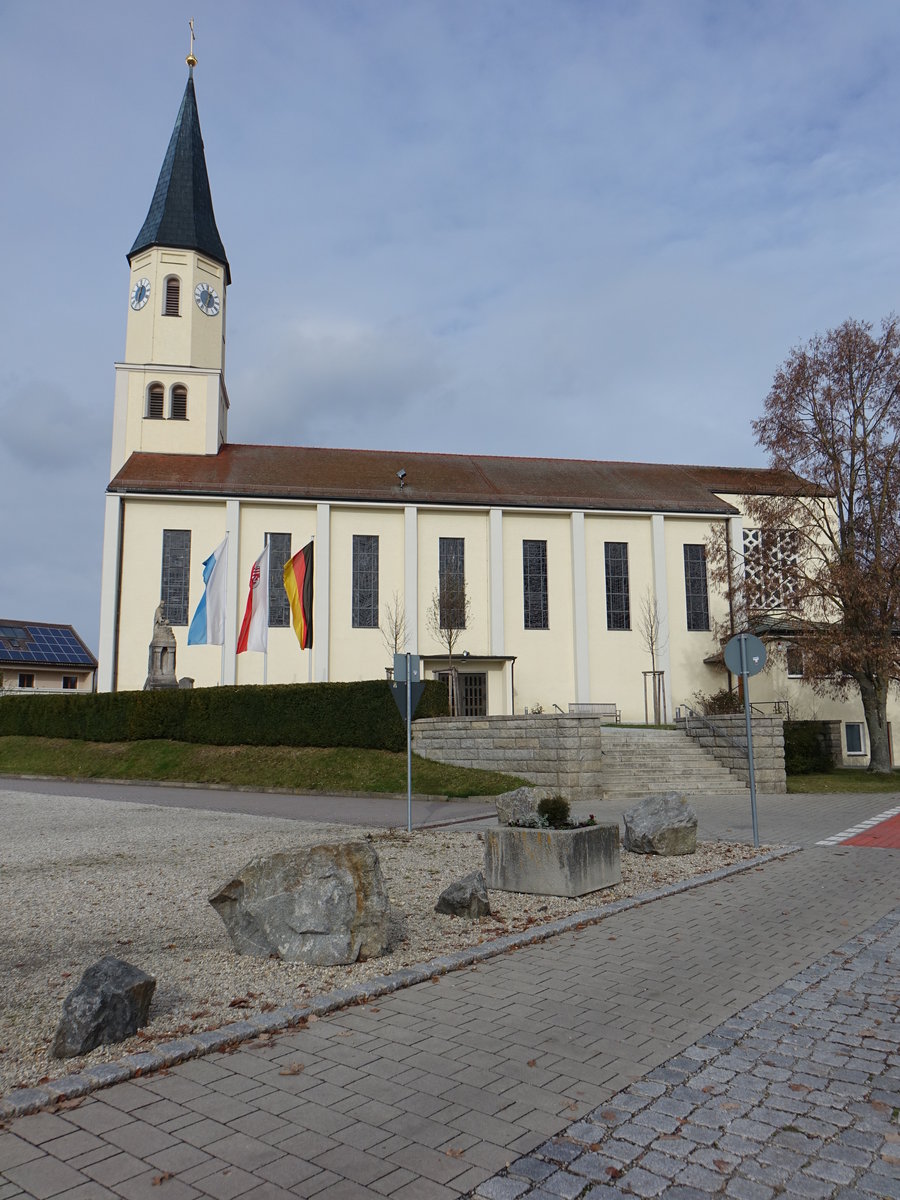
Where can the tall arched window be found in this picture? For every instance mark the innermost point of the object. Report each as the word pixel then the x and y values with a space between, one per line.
pixel 155 398
pixel 173 296
pixel 179 402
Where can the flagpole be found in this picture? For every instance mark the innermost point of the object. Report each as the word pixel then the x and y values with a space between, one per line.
pixel 222 668
pixel 265 666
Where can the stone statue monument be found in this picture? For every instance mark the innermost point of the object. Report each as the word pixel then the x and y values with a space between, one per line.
pixel 161 665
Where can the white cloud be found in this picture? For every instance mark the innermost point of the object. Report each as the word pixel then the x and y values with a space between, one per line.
pixel 333 382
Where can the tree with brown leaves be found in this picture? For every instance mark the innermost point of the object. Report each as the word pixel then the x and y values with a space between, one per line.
pixel 826 558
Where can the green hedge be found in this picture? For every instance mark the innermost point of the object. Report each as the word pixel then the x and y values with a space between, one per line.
pixel 305 714
pixel 807 750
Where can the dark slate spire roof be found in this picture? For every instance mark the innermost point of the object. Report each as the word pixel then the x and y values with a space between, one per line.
pixel 181 212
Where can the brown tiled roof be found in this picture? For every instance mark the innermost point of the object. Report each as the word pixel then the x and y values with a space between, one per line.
pixel 316 473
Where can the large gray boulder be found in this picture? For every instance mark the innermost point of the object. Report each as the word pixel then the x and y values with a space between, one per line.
pixel 110 1004
pixel 520 806
pixel 323 905
pixel 466 897
pixel 664 825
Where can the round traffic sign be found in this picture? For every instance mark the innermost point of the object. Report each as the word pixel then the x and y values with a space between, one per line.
pixel 754 654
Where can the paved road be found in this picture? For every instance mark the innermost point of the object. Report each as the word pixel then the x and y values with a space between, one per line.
pixel 430 1092
pixel 375 811
pixel 799 819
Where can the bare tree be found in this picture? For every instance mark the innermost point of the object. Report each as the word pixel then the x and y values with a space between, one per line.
pixel 448 617
pixel 649 628
pixel 823 563
pixel 393 626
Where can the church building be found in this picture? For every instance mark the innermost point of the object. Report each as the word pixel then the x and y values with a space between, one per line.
pixel 565 564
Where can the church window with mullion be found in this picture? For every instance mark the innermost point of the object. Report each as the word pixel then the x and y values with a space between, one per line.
pixel 365 581
pixel 452 583
pixel 279 553
pixel 176 575
pixel 696 590
pixel 534 584
pixel 618 599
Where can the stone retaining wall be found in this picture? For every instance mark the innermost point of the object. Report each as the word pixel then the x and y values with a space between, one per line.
pixel 559 752
pixel 725 736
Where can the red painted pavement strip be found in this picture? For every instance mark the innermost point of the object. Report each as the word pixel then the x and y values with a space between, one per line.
pixel 886 835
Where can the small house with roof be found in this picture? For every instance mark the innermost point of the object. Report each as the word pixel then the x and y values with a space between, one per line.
pixel 37 656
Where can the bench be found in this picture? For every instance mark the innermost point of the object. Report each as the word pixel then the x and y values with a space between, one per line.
pixel 606 712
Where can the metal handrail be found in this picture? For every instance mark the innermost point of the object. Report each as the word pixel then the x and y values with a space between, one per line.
pixel 778 708
pixel 719 733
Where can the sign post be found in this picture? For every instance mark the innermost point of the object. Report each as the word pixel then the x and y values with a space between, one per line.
pixel 407 687
pixel 745 655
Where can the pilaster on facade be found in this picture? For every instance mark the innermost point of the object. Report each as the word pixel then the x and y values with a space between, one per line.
pixel 232 589
pixel 496 591
pixel 736 568
pixel 661 597
pixel 411 576
pixel 580 610
pixel 322 593
pixel 109 592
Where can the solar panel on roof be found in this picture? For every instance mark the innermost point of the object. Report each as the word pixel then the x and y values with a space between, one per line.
pixel 42 644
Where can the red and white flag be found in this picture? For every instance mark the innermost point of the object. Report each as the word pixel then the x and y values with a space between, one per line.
pixel 255 625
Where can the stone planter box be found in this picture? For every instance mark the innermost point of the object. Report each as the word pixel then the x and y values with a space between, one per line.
pixel 552 862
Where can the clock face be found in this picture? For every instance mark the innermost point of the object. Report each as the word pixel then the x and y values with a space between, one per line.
pixel 140 294
pixel 207 298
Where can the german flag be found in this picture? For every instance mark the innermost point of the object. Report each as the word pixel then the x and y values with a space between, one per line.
pixel 298 583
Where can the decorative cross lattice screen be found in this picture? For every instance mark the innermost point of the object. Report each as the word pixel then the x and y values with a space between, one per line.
pixel 770 565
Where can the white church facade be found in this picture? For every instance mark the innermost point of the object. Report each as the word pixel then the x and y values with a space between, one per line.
pixel 559 559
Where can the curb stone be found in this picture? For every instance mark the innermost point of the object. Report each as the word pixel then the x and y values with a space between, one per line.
pixel 24 1101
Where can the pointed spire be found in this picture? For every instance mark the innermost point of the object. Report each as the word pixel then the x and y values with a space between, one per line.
pixel 181 212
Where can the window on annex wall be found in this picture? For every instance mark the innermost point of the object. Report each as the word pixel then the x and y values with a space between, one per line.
pixel 176 575
pixel 26 680
pixel 172 296
pixel 618 601
pixel 794 656
pixel 179 403
pixel 279 553
pixel 70 683
pixel 534 584
pixel 855 736
pixel 156 396
pixel 452 582
pixel 364 603
pixel 696 592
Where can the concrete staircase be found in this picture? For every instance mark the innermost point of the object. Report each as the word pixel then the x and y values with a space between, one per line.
pixel 640 762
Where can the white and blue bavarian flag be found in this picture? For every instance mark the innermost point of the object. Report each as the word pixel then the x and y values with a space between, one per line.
pixel 208 626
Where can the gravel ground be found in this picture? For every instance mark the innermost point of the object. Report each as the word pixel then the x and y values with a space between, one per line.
pixel 80 878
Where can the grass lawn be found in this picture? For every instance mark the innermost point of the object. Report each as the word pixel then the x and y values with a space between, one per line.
pixel 338 769
pixel 841 780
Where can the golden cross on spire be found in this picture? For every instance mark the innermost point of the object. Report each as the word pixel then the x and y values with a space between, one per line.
pixel 191 60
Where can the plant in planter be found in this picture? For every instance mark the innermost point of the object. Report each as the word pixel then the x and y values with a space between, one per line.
pixel 550 856
pixel 553 812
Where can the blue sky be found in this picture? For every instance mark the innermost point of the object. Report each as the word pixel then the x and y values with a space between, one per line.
pixel 575 228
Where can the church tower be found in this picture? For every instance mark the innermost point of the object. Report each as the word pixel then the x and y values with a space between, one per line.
pixel 170 390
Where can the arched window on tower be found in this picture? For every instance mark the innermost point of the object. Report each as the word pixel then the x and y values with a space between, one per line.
pixel 179 402
pixel 173 296
pixel 155 398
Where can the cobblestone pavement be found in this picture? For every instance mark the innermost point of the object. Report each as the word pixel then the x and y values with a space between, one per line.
pixel 428 1093
pixel 796 1096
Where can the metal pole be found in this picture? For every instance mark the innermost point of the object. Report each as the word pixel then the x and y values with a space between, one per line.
pixel 408 746
pixel 750 763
